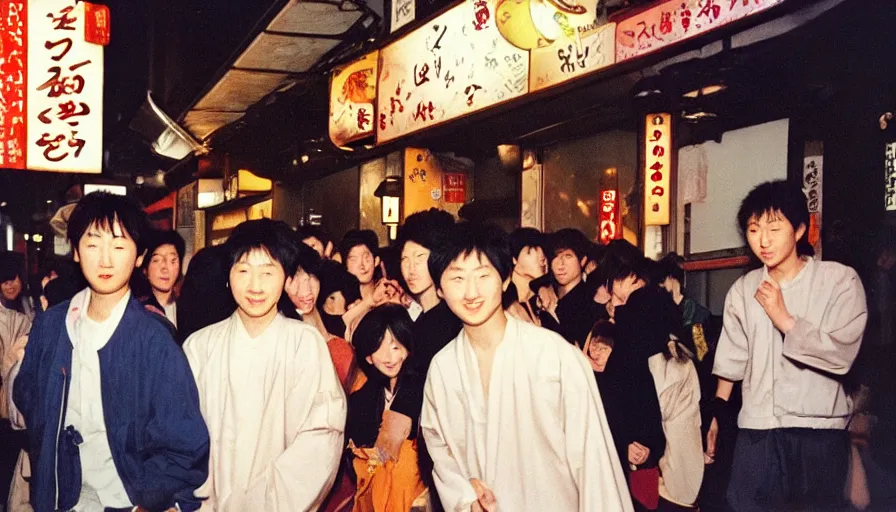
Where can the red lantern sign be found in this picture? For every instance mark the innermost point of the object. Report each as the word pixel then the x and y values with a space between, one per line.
pixel 610 221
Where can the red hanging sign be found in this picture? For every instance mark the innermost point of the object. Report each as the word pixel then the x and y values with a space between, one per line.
pixel 454 187
pixel 13 83
pixel 610 221
pixel 96 24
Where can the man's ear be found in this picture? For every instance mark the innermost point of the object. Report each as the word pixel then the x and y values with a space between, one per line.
pixel 439 292
pixel 139 262
pixel 514 261
pixel 75 255
pixel 800 231
pixel 376 261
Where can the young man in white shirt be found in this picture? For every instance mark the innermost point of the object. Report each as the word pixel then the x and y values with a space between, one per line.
pixel 111 409
pixel 791 329
pixel 270 396
pixel 511 415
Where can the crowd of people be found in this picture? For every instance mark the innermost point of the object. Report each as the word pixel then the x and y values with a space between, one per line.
pixel 461 369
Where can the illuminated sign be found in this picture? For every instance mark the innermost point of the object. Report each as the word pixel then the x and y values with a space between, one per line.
pixel 673 21
pixel 890 177
pixel 610 222
pixel 13 72
pixel 352 97
pixel 565 39
pixel 813 177
pixel 657 168
pixel 456 64
pixel 118 190
pixel 64 89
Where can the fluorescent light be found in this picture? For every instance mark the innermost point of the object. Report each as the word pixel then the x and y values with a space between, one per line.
pixel 119 190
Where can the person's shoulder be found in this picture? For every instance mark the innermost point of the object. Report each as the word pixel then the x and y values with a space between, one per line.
pixel 208 335
pixel 835 270
pixel 445 357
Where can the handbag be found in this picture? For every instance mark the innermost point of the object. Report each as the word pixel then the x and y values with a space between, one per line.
pixel 644 485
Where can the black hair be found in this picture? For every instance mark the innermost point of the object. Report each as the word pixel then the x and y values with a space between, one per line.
pixel 12 265
pixel 308 260
pixel 669 266
pixel 157 239
pixel 358 237
pixel 605 331
pixel 275 237
pixel 569 238
pixel 204 297
pixel 103 210
pixel 466 238
pixel 370 332
pixel 778 196
pixel 622 260
pixel 521 238
pixel 334 278
pixel 63 287
pixel 424 228
pixel 309 231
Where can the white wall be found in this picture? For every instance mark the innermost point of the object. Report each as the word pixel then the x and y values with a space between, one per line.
pixel 745 158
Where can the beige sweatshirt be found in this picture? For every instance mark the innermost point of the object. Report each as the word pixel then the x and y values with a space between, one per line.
pixel 792 381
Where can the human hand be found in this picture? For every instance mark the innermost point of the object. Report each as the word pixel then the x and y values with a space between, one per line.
pixel 712 437
pixel 771 299
pixel 638 453
pixel 486 498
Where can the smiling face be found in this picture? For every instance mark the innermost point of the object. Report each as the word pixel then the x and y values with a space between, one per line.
pixel 164 268
pixel 257 282
pixel 414 268
pixel 12 288
pixel 303 289
pixel 599 353
pixel 471 286
pixel 107 256
pixel 390 357
pixel 361 263
pixel 773 239
pixel 566 266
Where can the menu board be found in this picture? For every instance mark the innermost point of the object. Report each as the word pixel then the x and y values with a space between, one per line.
pixel 676 20
pixel 352 93
pixel 456 64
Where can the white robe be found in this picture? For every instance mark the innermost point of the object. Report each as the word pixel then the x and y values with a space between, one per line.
pixel 681 465
pixel 275 412
pixel 540 443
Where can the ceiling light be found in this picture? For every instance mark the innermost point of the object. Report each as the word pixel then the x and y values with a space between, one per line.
pixel 49 201
pixel 705 91
pixel 305 159
pixel 700 115
pixel 139 180
pixel 3 204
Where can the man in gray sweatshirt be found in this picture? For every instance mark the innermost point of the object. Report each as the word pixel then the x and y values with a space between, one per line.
pixel 792 329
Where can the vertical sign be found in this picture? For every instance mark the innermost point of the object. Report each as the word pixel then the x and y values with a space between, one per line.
pixel 454 187
pixel 65 90
pixel 890 169
pixel 657 168
pixel 610 225
pixel 813 173
pixel 13 80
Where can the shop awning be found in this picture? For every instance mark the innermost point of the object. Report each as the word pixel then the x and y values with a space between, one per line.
pixel 301 38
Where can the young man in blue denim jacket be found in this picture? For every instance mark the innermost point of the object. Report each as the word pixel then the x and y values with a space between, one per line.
pixel 109 402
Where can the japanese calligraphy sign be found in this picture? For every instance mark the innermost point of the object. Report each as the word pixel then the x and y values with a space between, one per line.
pixel 657 168
pixel 676 20
pixel 813 173
pixel 572 56
pixel 13 77
pixel 456 64
pixel 352 97
pixel 65 90
pixel 454 187
pixel 890 176
pixel 610 227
